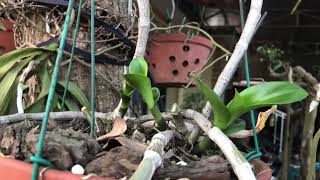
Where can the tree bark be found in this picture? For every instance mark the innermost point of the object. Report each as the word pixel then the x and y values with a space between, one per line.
pixel 106 98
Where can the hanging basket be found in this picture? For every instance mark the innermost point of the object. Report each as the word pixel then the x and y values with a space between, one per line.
pixel 171 57
pixel 6 37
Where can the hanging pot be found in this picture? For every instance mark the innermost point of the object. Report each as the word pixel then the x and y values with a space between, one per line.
pixel 6 37
pixel 171 57
pixel 12 169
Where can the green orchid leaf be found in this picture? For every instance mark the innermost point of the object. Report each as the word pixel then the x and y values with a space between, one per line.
pixel 221 113
pixel 265 94
pixel 52 47
pixel 138 66
pixel 2 27
pixel 156 94
pixel 143 85
pixel 77 93
pixel 127 90
pixel 45 79
pixel 37 106
pixel 7 61
pixel 235 127
pixel 12 96
pixel 56 104
pixel 8 81
pixel 70 104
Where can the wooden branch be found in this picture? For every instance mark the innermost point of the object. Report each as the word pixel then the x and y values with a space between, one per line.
pixel 282 75
pixel 315 102
pixel 153 156
pixel 23 76
pixel 143 27
pixel 307 77
pixel 239 164
pixel 213 167
pixel 307 135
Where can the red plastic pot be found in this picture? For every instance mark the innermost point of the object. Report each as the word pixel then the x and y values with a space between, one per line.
pixel 171 57
pixel 6 37
pixel 12 169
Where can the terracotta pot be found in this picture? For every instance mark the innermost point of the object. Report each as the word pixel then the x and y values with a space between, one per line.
pixel 6 37
pixel 171 57
pixel 12 169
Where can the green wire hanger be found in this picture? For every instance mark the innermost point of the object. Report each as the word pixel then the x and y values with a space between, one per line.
pixel 256 153
pixel 37 159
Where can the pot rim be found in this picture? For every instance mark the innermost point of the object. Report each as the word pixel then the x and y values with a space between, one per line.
pixel 12 169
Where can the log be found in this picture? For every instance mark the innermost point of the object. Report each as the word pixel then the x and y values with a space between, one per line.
pixel 213 168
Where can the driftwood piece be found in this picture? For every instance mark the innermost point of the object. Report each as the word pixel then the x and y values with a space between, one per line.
pixel 13 138
pixel 63 147
pixel 119 162
pixel 298 75
pixel 213 168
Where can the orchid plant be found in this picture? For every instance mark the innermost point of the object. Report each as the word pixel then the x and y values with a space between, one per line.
pixel 226 117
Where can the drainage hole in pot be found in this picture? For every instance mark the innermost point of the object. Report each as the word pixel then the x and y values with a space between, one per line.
pixel 186 48
pixel 185 63
pixel 153 65
pixel 2 49
pixel 197 61
pixel 175 72
pixel 172 58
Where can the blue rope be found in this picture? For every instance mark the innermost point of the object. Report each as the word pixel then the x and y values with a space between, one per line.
pixel 74 40
pixel 256 153
pixel 92 70
pixel 54 80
